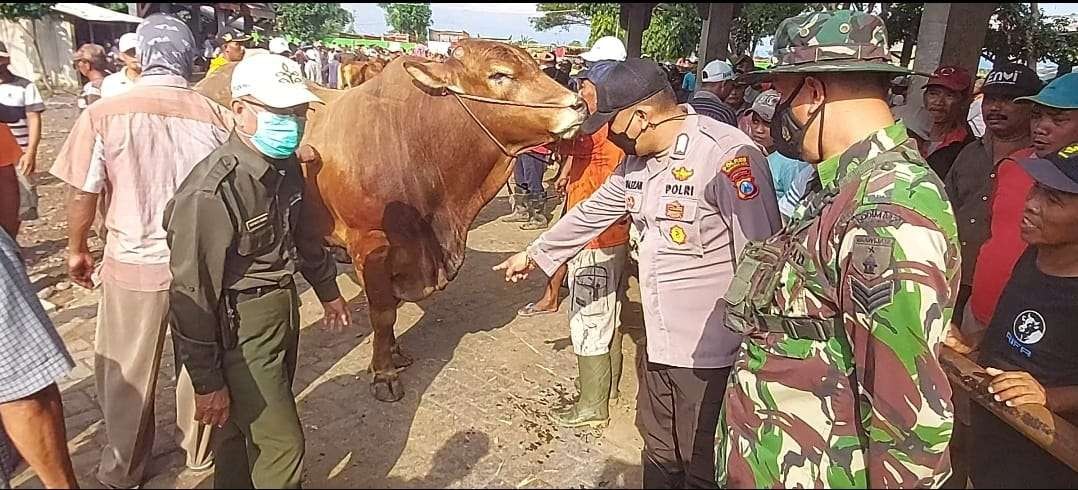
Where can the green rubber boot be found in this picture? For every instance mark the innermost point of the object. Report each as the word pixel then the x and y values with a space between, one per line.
pixel 520 212
pixel 616 358
pixel 537 219
pixel 590 409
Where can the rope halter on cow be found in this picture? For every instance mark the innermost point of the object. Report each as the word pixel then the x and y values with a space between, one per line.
pixel 538 105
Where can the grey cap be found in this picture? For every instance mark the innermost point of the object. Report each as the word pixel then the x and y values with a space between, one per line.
pixel 765 103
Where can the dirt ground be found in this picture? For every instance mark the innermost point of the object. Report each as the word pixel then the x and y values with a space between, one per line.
pixel 474 411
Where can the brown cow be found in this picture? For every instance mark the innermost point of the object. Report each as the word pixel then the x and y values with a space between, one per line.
pixel 355 73
pixel 398 168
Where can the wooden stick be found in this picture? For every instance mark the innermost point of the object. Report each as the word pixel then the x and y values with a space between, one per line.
pixel 1048 430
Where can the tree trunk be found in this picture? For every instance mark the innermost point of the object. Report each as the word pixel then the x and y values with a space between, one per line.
pixel 1033 56
pixel 755 41
pixel 907 51
pixel 32 32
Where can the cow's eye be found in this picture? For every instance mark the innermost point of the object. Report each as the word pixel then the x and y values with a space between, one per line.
pixel 500 77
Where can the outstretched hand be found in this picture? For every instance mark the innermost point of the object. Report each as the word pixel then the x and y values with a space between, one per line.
pixel 516 267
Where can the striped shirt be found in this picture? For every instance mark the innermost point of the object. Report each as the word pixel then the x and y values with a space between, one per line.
pixel 708 104
pixel 17 97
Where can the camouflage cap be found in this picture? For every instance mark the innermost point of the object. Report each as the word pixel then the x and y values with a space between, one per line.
pixel 831 41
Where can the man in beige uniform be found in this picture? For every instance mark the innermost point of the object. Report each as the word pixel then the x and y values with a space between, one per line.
pixel 698 190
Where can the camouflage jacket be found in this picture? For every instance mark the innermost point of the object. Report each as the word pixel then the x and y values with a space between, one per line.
pixel 869 406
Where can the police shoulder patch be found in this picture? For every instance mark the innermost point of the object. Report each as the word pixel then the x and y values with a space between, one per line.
pixel 739 172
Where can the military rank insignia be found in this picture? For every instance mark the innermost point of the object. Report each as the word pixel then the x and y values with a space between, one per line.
pixel 870 258
pixel 738 171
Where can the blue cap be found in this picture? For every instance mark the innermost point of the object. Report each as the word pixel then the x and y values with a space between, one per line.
pixel 1062 93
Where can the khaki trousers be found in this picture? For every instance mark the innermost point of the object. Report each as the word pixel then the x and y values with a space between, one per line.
pixel 131 328
pixel 262 444
pixel 596 287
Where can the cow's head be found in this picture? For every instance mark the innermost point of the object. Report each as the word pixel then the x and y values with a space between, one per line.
pixel 499 71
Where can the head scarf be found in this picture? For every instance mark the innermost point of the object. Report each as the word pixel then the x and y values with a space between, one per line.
pixel 165 46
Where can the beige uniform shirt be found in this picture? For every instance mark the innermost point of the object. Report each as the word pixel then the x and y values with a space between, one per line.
pixel 696 205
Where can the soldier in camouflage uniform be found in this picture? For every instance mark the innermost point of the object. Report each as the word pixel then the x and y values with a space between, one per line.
pixel 844 311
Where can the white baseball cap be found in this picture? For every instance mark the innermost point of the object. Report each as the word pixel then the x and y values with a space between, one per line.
pixel 271 79
pixel 128 42
pixel 717 71
pixel 278 45
pixel 606 48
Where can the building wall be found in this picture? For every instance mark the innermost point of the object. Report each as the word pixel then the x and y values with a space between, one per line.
pixel 55 37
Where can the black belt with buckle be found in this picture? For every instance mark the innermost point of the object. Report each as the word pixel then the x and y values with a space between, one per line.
pixel 260 291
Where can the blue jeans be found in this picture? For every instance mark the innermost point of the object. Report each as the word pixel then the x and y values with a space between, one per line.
pixel 528 174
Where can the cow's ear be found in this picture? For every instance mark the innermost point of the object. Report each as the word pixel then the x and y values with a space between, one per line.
pixel 435 76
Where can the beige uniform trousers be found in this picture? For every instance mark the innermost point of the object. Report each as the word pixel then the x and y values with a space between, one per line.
pixel 131 328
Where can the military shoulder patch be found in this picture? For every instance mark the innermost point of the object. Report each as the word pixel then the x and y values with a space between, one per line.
pixel 870 258
pixel 739 172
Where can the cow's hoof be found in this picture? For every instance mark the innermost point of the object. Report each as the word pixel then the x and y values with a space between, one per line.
pixel 401 361
pixel 387 388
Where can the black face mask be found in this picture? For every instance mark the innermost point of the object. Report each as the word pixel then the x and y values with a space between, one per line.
pixel 627 144
pixel 789 135
pixel 622 140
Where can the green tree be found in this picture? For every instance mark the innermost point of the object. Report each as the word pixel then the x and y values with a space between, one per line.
pixel 758 20
pixel 308 22
pixel 674 31
pixel 575 44
pixel 31 12
pixel 116 7
pixel 408 18
pixel 1015 34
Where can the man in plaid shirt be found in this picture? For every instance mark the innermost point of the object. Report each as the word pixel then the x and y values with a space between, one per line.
pixel 32 358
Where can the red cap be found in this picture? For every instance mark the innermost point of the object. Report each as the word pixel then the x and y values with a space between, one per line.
pixel 951 77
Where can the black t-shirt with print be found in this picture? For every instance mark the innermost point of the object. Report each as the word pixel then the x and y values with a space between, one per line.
pixel 1034 329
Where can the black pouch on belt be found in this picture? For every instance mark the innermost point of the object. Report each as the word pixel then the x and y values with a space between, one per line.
pixel 230 321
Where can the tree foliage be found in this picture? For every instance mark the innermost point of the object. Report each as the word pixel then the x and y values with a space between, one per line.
pixel 311 21
pixel 673 32
pixel 14 11
pixel 115 7
pixel 1016 34
pixel 759 20
pixel 408 18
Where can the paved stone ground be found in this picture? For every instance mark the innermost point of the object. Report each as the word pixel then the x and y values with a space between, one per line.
pixel 474 411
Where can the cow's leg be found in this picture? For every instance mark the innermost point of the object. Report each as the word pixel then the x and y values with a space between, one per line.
pixel 378 286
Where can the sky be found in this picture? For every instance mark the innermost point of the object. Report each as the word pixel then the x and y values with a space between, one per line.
pixel 479 19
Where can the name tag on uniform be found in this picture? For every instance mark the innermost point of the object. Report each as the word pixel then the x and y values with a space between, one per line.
pixel 257 222
pixel 685 190
pixel 634 185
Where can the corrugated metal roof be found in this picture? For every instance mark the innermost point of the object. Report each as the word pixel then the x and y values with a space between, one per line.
pixel 93 13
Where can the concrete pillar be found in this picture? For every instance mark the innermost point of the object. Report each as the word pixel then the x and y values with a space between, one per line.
pixel 635 18
pixel 715 34
pixel 950 34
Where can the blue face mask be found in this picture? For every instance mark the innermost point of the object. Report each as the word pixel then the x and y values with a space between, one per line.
pixel 277 135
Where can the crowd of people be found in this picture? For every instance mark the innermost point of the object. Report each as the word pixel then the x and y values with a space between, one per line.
pixel 806 241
